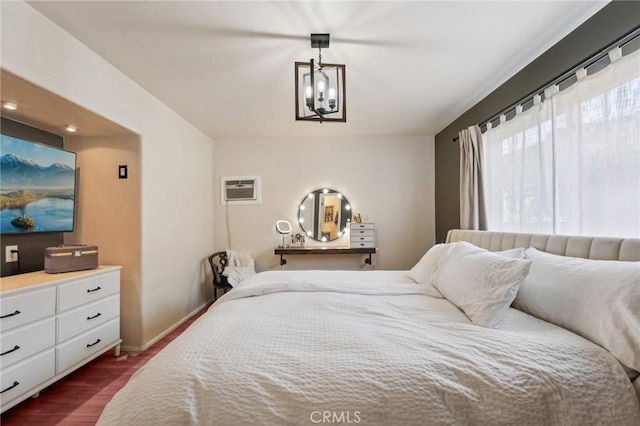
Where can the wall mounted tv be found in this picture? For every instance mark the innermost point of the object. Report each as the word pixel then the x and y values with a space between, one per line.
pixel 37 187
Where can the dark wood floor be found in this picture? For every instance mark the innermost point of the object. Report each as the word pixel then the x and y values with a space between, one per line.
pixel 79 398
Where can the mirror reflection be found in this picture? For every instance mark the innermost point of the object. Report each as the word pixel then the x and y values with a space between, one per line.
pixel 323 214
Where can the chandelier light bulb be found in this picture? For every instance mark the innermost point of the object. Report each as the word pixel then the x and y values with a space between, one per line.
pixel 321 90
pixel 308 94
pixel 332 98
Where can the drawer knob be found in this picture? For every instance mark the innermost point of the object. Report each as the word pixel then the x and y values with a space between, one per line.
pixel 11 314
pixel 10 387
pixel 94 343
pixel 95 316
pixel 15 348
pixel 91 290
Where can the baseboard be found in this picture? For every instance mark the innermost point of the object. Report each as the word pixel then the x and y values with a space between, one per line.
pixel 165 333
pixel 130 349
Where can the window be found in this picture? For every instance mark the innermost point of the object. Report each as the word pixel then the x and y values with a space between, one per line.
pixel 570 164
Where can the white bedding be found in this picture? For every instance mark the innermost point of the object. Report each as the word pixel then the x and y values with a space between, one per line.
pixel 287 348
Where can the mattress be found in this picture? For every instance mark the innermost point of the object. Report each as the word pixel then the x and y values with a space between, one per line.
pixel 373 348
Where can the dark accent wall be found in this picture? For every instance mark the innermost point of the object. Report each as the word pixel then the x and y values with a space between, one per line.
pixel 30 247
pixel 610 23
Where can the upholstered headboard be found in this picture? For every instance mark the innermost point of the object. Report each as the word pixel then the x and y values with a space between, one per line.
pixel 601 248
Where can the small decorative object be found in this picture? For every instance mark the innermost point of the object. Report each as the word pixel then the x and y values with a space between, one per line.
pixel 299 238
pixel 357 218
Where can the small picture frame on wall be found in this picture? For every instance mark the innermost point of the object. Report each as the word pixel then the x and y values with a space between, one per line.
pixel 328 214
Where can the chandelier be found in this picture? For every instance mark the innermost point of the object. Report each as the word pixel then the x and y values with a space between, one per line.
pixel 320 88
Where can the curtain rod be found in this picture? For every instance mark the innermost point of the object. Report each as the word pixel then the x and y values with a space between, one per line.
pixel 621 41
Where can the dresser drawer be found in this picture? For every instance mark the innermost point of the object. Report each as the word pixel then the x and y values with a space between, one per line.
pixel 87 344
pixel 87 290
pixel 81 319
pixel 359 226
pixel 27 307
pixel 26 375
pixel 20 343
pixel 359 239
pixel 362 233
pixel 356 244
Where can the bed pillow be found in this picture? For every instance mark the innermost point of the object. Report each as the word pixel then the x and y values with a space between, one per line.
pixel 597 299
pixel 516 253
pixel 481 283
pixel 422 271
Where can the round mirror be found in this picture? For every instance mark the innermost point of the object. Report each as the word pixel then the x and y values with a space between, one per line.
pixel 323 214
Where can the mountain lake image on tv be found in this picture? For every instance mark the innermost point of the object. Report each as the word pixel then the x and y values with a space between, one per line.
pixel 37 187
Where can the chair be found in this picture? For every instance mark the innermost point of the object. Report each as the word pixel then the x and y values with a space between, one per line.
pixel 218 262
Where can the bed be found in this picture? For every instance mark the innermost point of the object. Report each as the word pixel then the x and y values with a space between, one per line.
pixel 382 348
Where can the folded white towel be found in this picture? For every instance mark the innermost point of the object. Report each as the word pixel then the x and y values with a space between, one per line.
pixel 240 267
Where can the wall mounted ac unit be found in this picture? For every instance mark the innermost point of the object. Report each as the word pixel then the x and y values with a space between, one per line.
pixel 240 190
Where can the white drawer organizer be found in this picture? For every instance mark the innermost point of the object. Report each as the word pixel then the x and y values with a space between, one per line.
pixel 362 235
pixel 52 324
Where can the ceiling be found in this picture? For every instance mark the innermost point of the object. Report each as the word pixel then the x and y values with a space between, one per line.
pixel 227 66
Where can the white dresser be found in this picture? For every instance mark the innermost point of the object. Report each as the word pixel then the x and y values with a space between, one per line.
pixel 362 235
pixel 52 324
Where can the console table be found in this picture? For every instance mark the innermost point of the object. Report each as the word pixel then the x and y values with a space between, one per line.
pixel 324 250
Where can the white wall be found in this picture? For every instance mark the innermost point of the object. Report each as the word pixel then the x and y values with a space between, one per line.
pixel 389 179
pixel 175 168
pixel 109 213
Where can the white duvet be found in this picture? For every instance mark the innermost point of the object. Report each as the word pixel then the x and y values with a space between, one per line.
pixel 370 348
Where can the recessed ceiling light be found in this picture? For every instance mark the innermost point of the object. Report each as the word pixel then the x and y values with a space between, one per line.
pixel 10 105
pixel 71 128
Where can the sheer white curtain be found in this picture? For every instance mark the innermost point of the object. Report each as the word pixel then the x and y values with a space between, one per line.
pixel 570 164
